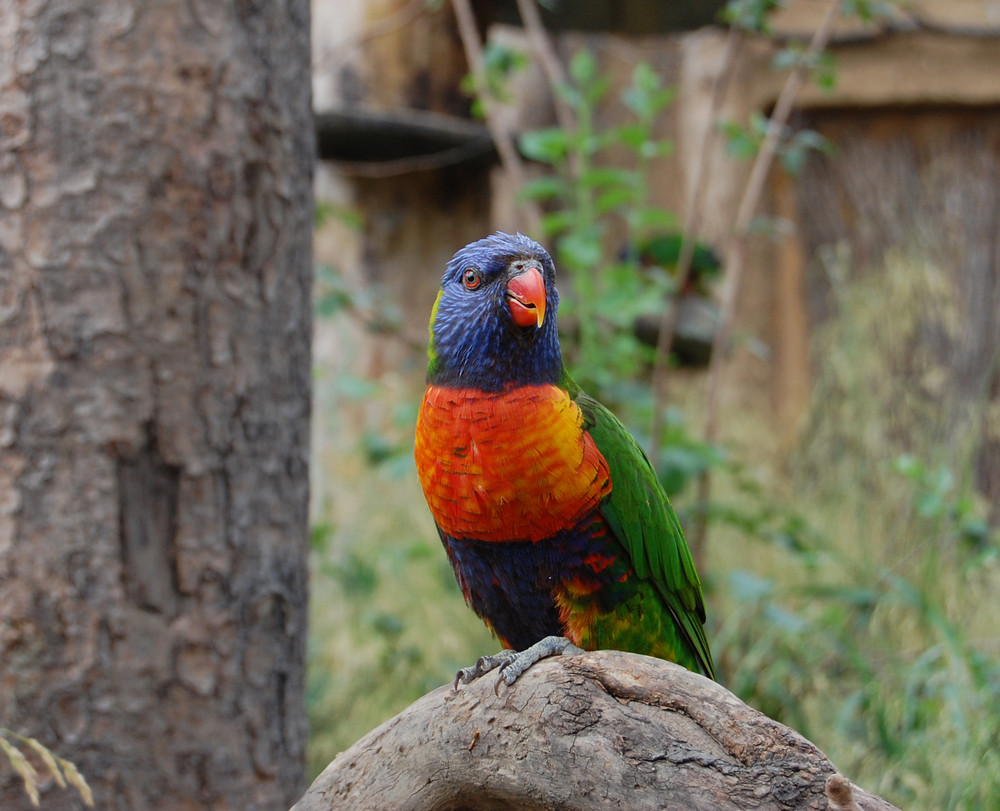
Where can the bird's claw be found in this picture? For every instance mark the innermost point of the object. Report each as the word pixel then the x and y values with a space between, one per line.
pixel 483 665
pixel 510 664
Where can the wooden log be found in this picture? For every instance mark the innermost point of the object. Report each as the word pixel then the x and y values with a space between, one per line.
pixel 600 730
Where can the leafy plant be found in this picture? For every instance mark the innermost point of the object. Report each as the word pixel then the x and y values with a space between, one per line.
pixel 750 15
pixel 599 214
pixel 500 62
pixel 958 519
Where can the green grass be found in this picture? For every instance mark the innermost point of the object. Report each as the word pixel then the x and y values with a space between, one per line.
pixel 876 637
pixel 851 584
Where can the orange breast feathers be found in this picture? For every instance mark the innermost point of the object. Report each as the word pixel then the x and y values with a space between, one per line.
pixel 513 465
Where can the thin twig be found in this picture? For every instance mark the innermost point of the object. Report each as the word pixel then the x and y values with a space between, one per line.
pixel 541 46
pixel 736 253
pixel 692 224
pixel 510 159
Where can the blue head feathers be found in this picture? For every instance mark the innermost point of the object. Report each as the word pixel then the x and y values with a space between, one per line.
pixel 476 339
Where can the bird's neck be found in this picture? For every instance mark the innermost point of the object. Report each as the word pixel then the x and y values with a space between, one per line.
pixel 491 366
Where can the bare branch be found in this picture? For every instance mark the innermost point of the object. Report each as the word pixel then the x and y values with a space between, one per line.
pixel 546 55
pixel 510 159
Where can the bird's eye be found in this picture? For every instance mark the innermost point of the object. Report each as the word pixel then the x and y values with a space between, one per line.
pixel 471 278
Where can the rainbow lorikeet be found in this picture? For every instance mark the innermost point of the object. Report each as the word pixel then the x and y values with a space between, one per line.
pixel 559 532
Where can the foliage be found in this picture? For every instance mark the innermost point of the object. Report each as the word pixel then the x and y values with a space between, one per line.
pixel 743 142
pixel 869 11
pixel 599 214
pixel 750 15
pixel 873 632
pixel 796 56
pixel 500 62
pixel 17 748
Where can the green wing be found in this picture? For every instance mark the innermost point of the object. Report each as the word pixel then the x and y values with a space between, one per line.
pixel 643 520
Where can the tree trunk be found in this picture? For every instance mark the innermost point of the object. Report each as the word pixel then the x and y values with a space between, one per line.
pixel 597 731
pixel 155 226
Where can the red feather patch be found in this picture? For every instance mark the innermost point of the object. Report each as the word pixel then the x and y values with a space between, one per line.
pixel 513 465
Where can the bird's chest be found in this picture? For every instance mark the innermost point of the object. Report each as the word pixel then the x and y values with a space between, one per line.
pixel 512 465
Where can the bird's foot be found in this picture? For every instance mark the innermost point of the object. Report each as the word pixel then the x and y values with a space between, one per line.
pixel 484 665
pixel 512 663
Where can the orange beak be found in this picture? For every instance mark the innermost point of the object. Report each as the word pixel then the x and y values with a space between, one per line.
pixel 526 298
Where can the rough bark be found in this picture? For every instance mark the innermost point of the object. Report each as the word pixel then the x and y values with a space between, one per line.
pixel 601 730
pixel 155 226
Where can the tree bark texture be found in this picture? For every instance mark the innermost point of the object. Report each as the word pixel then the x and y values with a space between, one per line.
pixel 602 730
pixel 155 265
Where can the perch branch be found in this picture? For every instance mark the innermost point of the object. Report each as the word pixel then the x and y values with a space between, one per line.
pixel 600 730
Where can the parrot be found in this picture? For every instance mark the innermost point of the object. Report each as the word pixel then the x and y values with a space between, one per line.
pixel 558 530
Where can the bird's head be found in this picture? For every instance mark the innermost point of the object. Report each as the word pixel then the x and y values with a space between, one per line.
pixel 494 321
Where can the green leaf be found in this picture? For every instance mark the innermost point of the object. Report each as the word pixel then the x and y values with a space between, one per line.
pixel 654 217
pixel 646 96
pixel 632 135
pixel 502 60
pixel 583 67
pixel 327 211
pixel 591 144
pixel 549 145
pixel 320 535
pixel 796 151
pixel 596 90
pixel 788 57
pixel 679 466
pixel 613 200
pixel 867 10
pixel 909 466
pixel 810 139
pixel 740 143
pixel 544 188
pixel 608 176
pixel 657 149
pixel 581 249
pixel 569 94
pixel 555 222
pixel 975 531
pixel 750 15
pixel 825 72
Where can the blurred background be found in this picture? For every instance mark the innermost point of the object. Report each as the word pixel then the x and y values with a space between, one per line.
pixel 795 309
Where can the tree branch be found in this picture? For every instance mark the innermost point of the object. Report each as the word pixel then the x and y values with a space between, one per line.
pixel 547 58
pixel 602 730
